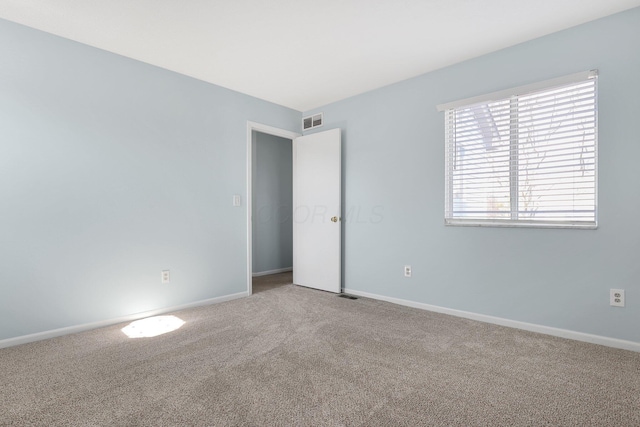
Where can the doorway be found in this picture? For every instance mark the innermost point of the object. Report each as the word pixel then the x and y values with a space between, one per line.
pixel 269 208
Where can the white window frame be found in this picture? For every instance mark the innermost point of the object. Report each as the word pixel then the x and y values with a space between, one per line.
pixel 505 95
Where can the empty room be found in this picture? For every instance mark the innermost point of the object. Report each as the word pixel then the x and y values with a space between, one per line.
pixel 345 213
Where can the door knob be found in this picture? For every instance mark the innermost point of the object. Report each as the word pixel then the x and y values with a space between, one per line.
pixel 334 219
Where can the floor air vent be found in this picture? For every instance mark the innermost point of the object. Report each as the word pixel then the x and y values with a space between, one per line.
pixel 347 296
pixel 312 121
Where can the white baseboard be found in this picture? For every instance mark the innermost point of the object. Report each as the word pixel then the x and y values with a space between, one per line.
pixel 10 342
pixel 563 333
pixel 266 273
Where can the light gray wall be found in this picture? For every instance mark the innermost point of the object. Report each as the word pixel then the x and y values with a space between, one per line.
pixel 272 236
pixel 393 141
pixel 112 170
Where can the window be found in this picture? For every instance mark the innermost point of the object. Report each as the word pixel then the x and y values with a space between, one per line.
pixel 525 156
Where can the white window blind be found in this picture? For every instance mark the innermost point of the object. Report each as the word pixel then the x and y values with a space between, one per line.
pixel 527 158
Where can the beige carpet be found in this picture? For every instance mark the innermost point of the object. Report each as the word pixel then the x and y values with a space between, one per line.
pixel 271 281
pixel 298 357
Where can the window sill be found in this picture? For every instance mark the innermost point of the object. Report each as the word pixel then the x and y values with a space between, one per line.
pixel 457 222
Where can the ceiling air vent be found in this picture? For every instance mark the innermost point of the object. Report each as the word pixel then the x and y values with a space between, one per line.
pixel 312 121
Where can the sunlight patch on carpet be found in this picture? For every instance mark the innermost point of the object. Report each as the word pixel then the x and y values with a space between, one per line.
pixel 152 326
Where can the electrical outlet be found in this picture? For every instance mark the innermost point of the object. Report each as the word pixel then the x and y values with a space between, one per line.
pixel 166 277
pixel 616 297
pixel 407 271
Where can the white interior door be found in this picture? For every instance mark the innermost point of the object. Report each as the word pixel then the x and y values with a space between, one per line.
pixel 317 230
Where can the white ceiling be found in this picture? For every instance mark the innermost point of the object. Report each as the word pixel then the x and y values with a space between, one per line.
pixel 301 53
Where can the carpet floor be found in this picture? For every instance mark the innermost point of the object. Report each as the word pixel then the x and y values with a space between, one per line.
pixel 271 281
pixel 293 356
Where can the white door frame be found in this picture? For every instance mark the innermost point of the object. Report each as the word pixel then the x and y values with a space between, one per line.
pixel 258 127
